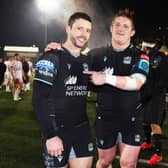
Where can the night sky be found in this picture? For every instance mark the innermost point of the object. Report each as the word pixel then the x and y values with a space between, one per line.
pixel 23 24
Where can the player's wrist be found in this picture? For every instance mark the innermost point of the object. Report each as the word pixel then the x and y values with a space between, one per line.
pixel 110 79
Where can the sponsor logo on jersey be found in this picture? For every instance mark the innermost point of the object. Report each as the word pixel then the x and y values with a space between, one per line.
pixel 72 89
pixel 90 147
pixel 144 65
pixel 109 70
pixel 45 65
pixel 85 66
pixel 71 80
pixel 127 60
pixel 45 71
pixel 137 138
pixel 144 56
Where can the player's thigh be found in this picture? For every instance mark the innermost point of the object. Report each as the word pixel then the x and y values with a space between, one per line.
pixel 82 162
pixel 129 150
pixel 107 154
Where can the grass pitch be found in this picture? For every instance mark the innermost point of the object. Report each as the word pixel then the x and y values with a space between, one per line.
pixel 20 139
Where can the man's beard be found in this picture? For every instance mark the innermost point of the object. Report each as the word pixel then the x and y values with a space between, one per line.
pixel 73 40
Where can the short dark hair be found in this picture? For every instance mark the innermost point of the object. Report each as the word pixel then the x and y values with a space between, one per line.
pixel 125 13
pixel 78 15
pixel 16 54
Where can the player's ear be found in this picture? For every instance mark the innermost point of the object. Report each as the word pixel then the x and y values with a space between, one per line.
pixel 67 28
pixel 133 32
pixel 111 28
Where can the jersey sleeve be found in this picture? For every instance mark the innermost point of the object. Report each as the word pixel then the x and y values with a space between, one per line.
pixel 141 66
pixel 46 68
pixel 43 109
pixel 42 98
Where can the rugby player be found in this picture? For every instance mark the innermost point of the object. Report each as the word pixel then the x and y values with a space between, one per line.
pixel 59 99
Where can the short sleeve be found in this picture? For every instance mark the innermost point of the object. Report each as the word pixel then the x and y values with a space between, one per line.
pixel 142 66
pixel 46 69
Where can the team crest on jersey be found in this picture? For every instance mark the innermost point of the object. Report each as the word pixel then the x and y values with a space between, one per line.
pixel 59 157
pixel 101 141
pixel 137 138
pixel 85 66
pixel 105 58
pixel 71 80
pixel 109 70
pixel 127 60
pixel 155 63
pixel 90 147
pixel 69 66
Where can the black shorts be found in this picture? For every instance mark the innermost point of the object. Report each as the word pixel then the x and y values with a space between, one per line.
pixel 154 110
pixel 77 143
pixel 110 132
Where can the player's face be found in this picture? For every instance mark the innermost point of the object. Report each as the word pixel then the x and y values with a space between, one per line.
pixel 79 33
pixel 122 30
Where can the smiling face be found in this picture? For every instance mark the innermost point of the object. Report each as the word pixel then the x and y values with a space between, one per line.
pixel 79 33
pixel 122 30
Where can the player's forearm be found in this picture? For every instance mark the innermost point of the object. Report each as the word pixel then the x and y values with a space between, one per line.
pixel 129 83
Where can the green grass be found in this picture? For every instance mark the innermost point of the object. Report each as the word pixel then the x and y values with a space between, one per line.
pixel 20 144
pixel 20 140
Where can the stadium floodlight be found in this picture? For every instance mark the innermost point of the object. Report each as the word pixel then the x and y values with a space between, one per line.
pixel 50 6
pixel 54 9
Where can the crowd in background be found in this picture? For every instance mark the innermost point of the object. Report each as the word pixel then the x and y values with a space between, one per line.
pixel 15 74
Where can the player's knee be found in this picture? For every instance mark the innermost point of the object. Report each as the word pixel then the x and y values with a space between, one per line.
pixel 105 163
pixel 125 163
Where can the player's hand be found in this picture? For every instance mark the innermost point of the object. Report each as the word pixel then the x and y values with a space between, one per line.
pixel 54 146
pixel 97 78
pixel 52 46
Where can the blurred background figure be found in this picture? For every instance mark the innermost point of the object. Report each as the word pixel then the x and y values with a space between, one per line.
pixel 30 72
pixel 2 69
pixel 26 79
pixel 153 100
pixel 17 73
pixel 8 74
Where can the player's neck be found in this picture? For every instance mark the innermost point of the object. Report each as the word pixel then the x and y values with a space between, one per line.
pixel 120 46
pixel 75 51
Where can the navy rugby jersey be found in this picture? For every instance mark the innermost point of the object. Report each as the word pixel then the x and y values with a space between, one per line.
pixel 158 73
pixel 60 89
pixel 157 81
pixel 122 63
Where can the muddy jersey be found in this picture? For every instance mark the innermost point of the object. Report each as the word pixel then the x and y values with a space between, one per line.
pixel 62 101
pixel 111 101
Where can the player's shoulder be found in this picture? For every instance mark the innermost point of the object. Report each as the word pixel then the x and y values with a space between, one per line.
pixel 52 53
pixel 99 50
pixel 51 56
pixel 134 48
